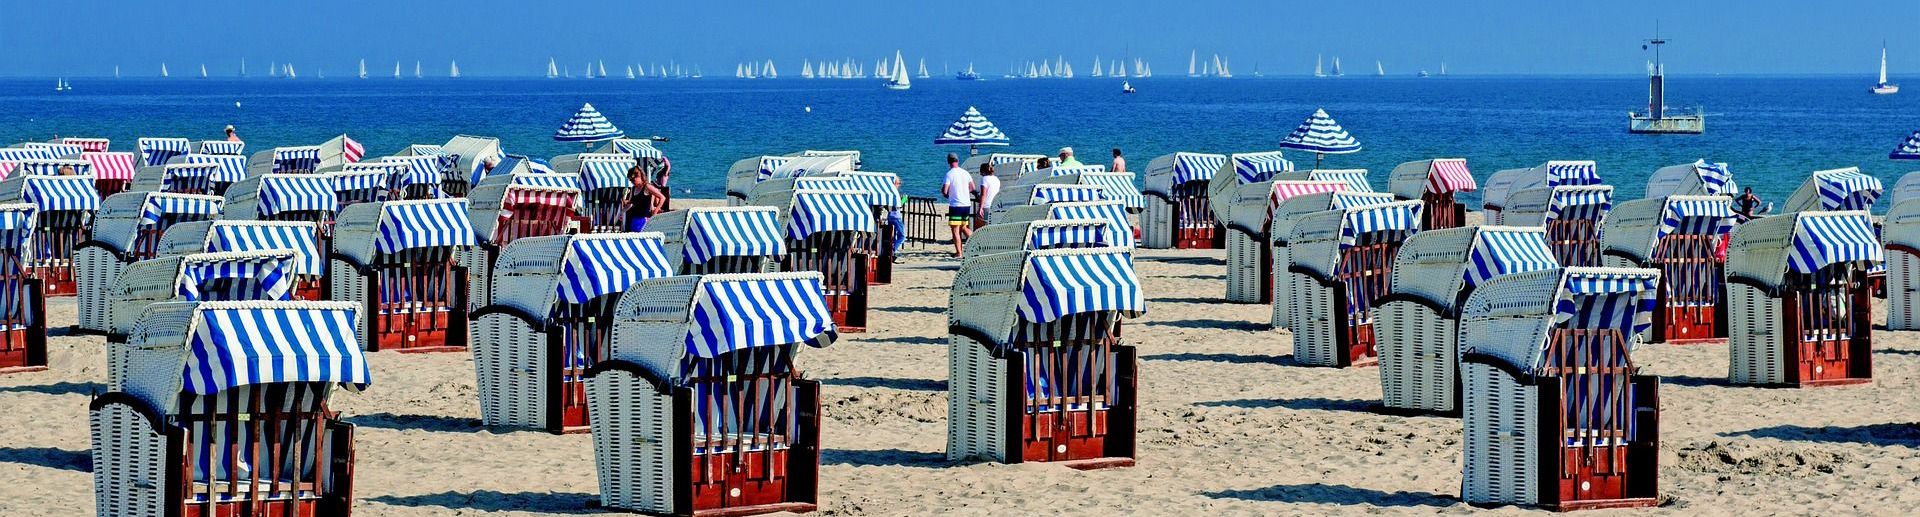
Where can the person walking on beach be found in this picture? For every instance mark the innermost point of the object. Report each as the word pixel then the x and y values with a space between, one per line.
pixel 958 189
pixel 1066 158
pixel 660 181
pixel 1119 163
pixel 989 189
pixel 643 201
pixel 898 223
pixel 231 136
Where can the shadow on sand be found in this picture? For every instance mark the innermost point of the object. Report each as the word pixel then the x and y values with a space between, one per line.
pixel 491 501
pixel 1883 435
pixel 1322 493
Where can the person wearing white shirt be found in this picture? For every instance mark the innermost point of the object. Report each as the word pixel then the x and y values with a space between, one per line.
pixel 958 188
pixel 989 189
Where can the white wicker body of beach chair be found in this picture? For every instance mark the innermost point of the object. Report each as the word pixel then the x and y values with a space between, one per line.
pixel 354 187
pixel 1342 262
pixel 1798 299
pixel 745 173
pixel 308 268
pixel 722 240
pixel 552 319
pixel 1282 220
pixel 128 229
pixel 1234 174
pixel 64 208
pixel 852 156
pixel 23 302
pixel 1571 215
pixel 224 276
pixel 604 187
pixel 1418 321
pixel 176 176
pixel 1680 236
pixel 303 159
pixel 1555 413
pixel 1437 183
pixel 1700 178
pixel 180 433
pixel 1249 249
pixel 400 260
pixel 824 229
pixel 220 147
pixel 1044 234
pixel 699 411
pixel 412 177
pixel 504 213
pixel 1901 232
pixel 1036 366
pixel 469 155
pixel 1177 212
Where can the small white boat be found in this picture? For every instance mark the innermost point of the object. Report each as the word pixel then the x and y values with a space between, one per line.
pixel 900 81
pixel 1884 87
pixel 1126 87
pixel 60 85
pixel 363 68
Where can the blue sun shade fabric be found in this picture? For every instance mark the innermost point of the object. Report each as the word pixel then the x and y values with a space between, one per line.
pixel 768 164
pixel 160 205
pixel 1258 167
pixel 1697 217
pixel 638 148
pixel 51 167
pixel 1043 235
pixel 1118 226
pixel 1825 239
pixel 1497 253
pixel 16 226
pixel 1594 300
pixel 600 174
pixel 733 315
pixel 879 186
pixel 1572 174
pixel 426 150
pixel 156 151
pixel 222 147
pixel 254 237
pixel 1583 204
pixel 358 180
pixel 595 267
pixel 1847 189
pixel 270 275
pixel 1356 180
pixel 57 150
pixel 1059 285
pixel 1320 134
pixel 1043 194
pixel 245 343
pixel 296 159
pixel 1716 178
pixel 714 234
pixel 971 129
pixel 1119 187
pixel 1188 167
pixel 829 211
pixel 296 193
pixel 1344 199
pixel 406 225
pixel 56 193
pixel 228 168
pixel 1389 217
pixel 414 170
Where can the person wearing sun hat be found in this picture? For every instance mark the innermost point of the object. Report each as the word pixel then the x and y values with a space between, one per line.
pixel 1066 158
pixel 231 137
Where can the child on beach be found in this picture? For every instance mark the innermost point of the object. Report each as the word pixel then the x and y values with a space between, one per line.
pixel 958 189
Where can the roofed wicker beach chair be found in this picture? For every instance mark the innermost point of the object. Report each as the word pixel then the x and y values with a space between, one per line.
pixel 1224 185
pixel 225 147
pixel 205 422
pixel 747 172
pixel 1343 261
pixel 1700 178
pixel 824 230
pixel 63 208
pixel 304 159
pixel 1283 218
pixel 1437 183
pixel 1048 192
pixel 1039 234
pixel 721 240
pixel 1356 179
pixel 1680 236
pixel 1556 414
pixel 399 260
pixel 851 155
pixel 552 319
pixel 700 408
pixel 1799 301
pixel 361 185
pixel 604 187
pixel 1119 225
pixel 307 270
pixel 156 151
pixel 23 299
pixel 176 177
pixel 227 276
pixel 1248 216
pixel 112 171
pixel 413 177
pixel 1008 166
pixel 1840 190
pixel 1901 234
pixel 228 168
pixel 91 145
pixel 1555 173
pixel 1571 215
pixel 502 214
pixel 128 229
pixel 1176 213
pixel 1036 366
pixel 1418 322
pixel 307 198
pixel 883 195
pixel 470 155
pixel 50 166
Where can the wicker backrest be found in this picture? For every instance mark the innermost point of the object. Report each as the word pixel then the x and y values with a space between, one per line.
pixel 184 238
pixel 1690 179
pixel 243 200
pixel 1056 189
pixel 319 334
pixel 1319 238
pixel 1763 249
pixel 852 156
pixel 1170 170
pixel 800 164
pixel 473 153
pixel 1432 264
pixel 118 221
pixel 653 321
pixel 1240 170
pixel 1908 187
pixel 1020 214
pixel 1902 225
pixel 1286 215
pixel 1535 206
pixel 1835 189
pixel 746 172
pixel 1414 179
pixel 1509 317
pixel 13 189
pixel 1493 194
pixel 1019 236
pixel 487 204
pixel 531 271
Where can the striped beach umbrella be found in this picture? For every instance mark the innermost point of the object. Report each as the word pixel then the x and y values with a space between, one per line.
pixel 587 125
pixel 1320 135
pixel 972 130
pixel 1908 150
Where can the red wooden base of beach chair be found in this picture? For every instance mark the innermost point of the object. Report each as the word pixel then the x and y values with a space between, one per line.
pixel 1575 477
pixel 309 291
pixel 733 483
pixel 23 346
pixel 1084 438
pixel 57 279
pixel 1442 211
pixel 849 310
pixel 1828 357
pixel 1694 325
pixel 1878 283
pixel 422 329
pixel 1202 238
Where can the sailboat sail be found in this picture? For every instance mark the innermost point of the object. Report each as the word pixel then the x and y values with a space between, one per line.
pixel 553 69
pixel 1317 72
pixel 453 69
pixel 1379 70
pixel 163 69
pixel 603 69
pixel 1191 59
pixel 923 68
pixel 416 70
pixel 396 69
pixel 203 72
pixel 899 81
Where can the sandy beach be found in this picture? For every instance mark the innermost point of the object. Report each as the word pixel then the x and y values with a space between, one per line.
pixel 1229 425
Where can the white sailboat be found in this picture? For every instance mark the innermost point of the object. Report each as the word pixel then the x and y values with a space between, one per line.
pixel 288 72
pixel 273 69
pixel 900 81
pixel 203 70
pixel 1066 70
pixel 1097 71
pixel 1317 71
pixel 968 74
pixel 771 72
pixel 1443 68
pixel 396 69
pixel 60 85
pixel 1884 87
pixel 1336 67
pixel 629 71
pixel 1379 71
pixel 416 70
pixel 553 68
pixel 453 69
pixel 363 68
pixel 603 69
pixel 163 69
pixel 1193 58
pixel 243 70
pixel 1120 69
pixel 923 69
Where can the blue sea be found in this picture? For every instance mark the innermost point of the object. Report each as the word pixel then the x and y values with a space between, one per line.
pixel 1771 130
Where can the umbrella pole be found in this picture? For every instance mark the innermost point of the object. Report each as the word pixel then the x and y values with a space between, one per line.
pixel 1317 157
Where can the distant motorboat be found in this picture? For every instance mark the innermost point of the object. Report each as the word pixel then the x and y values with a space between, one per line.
pixel 968 74
pixel 1884 87
pixel 1126 87
pixel 1423 73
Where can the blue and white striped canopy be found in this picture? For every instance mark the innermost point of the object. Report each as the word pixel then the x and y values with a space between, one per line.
pixel 1119 187
pixel 228 168
pixel 639 148
pixel 156 151
pixel 597 266
pixel 1258 167
pixel 414 170
pixel 732 315
pixel 222 147
pixel 304 158
pixel 1043 194
pixel 1716 178
pixel 1710 216
pixel 1596 300
pixel 1497 253
pixel 1847 189
pixel 57 150
pixel 161 204
pixel 177 177
pixel 57 193
pixel 406 225
pixel 571 181
pixel 1820 240
pixel 768 164
pixel 296 193
pixel 1094 233
pixel 1320 134
pixel 16 226
pixel 587 125
pixel 972 129
pixel 260 237
pixel 51 167
pixel 1119 227
pixel 602 174
pixel 358 180
pixel 1587 204
pixel 879 186
pixel 1387 217
pixel 1908 150
pixel 1356 180
pixel 426 150
pixel 816 211
pixel 1054 286
pixel 1344 199
pixel 1189 167
pixel 19 154
pixel 1572 173
pixel 271 275
pixel 244 343
pixel 733 233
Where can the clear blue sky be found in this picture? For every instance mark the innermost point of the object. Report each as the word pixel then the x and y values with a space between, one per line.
pixel 515 37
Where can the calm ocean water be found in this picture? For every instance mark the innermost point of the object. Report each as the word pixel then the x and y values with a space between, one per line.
pixel 1773 131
